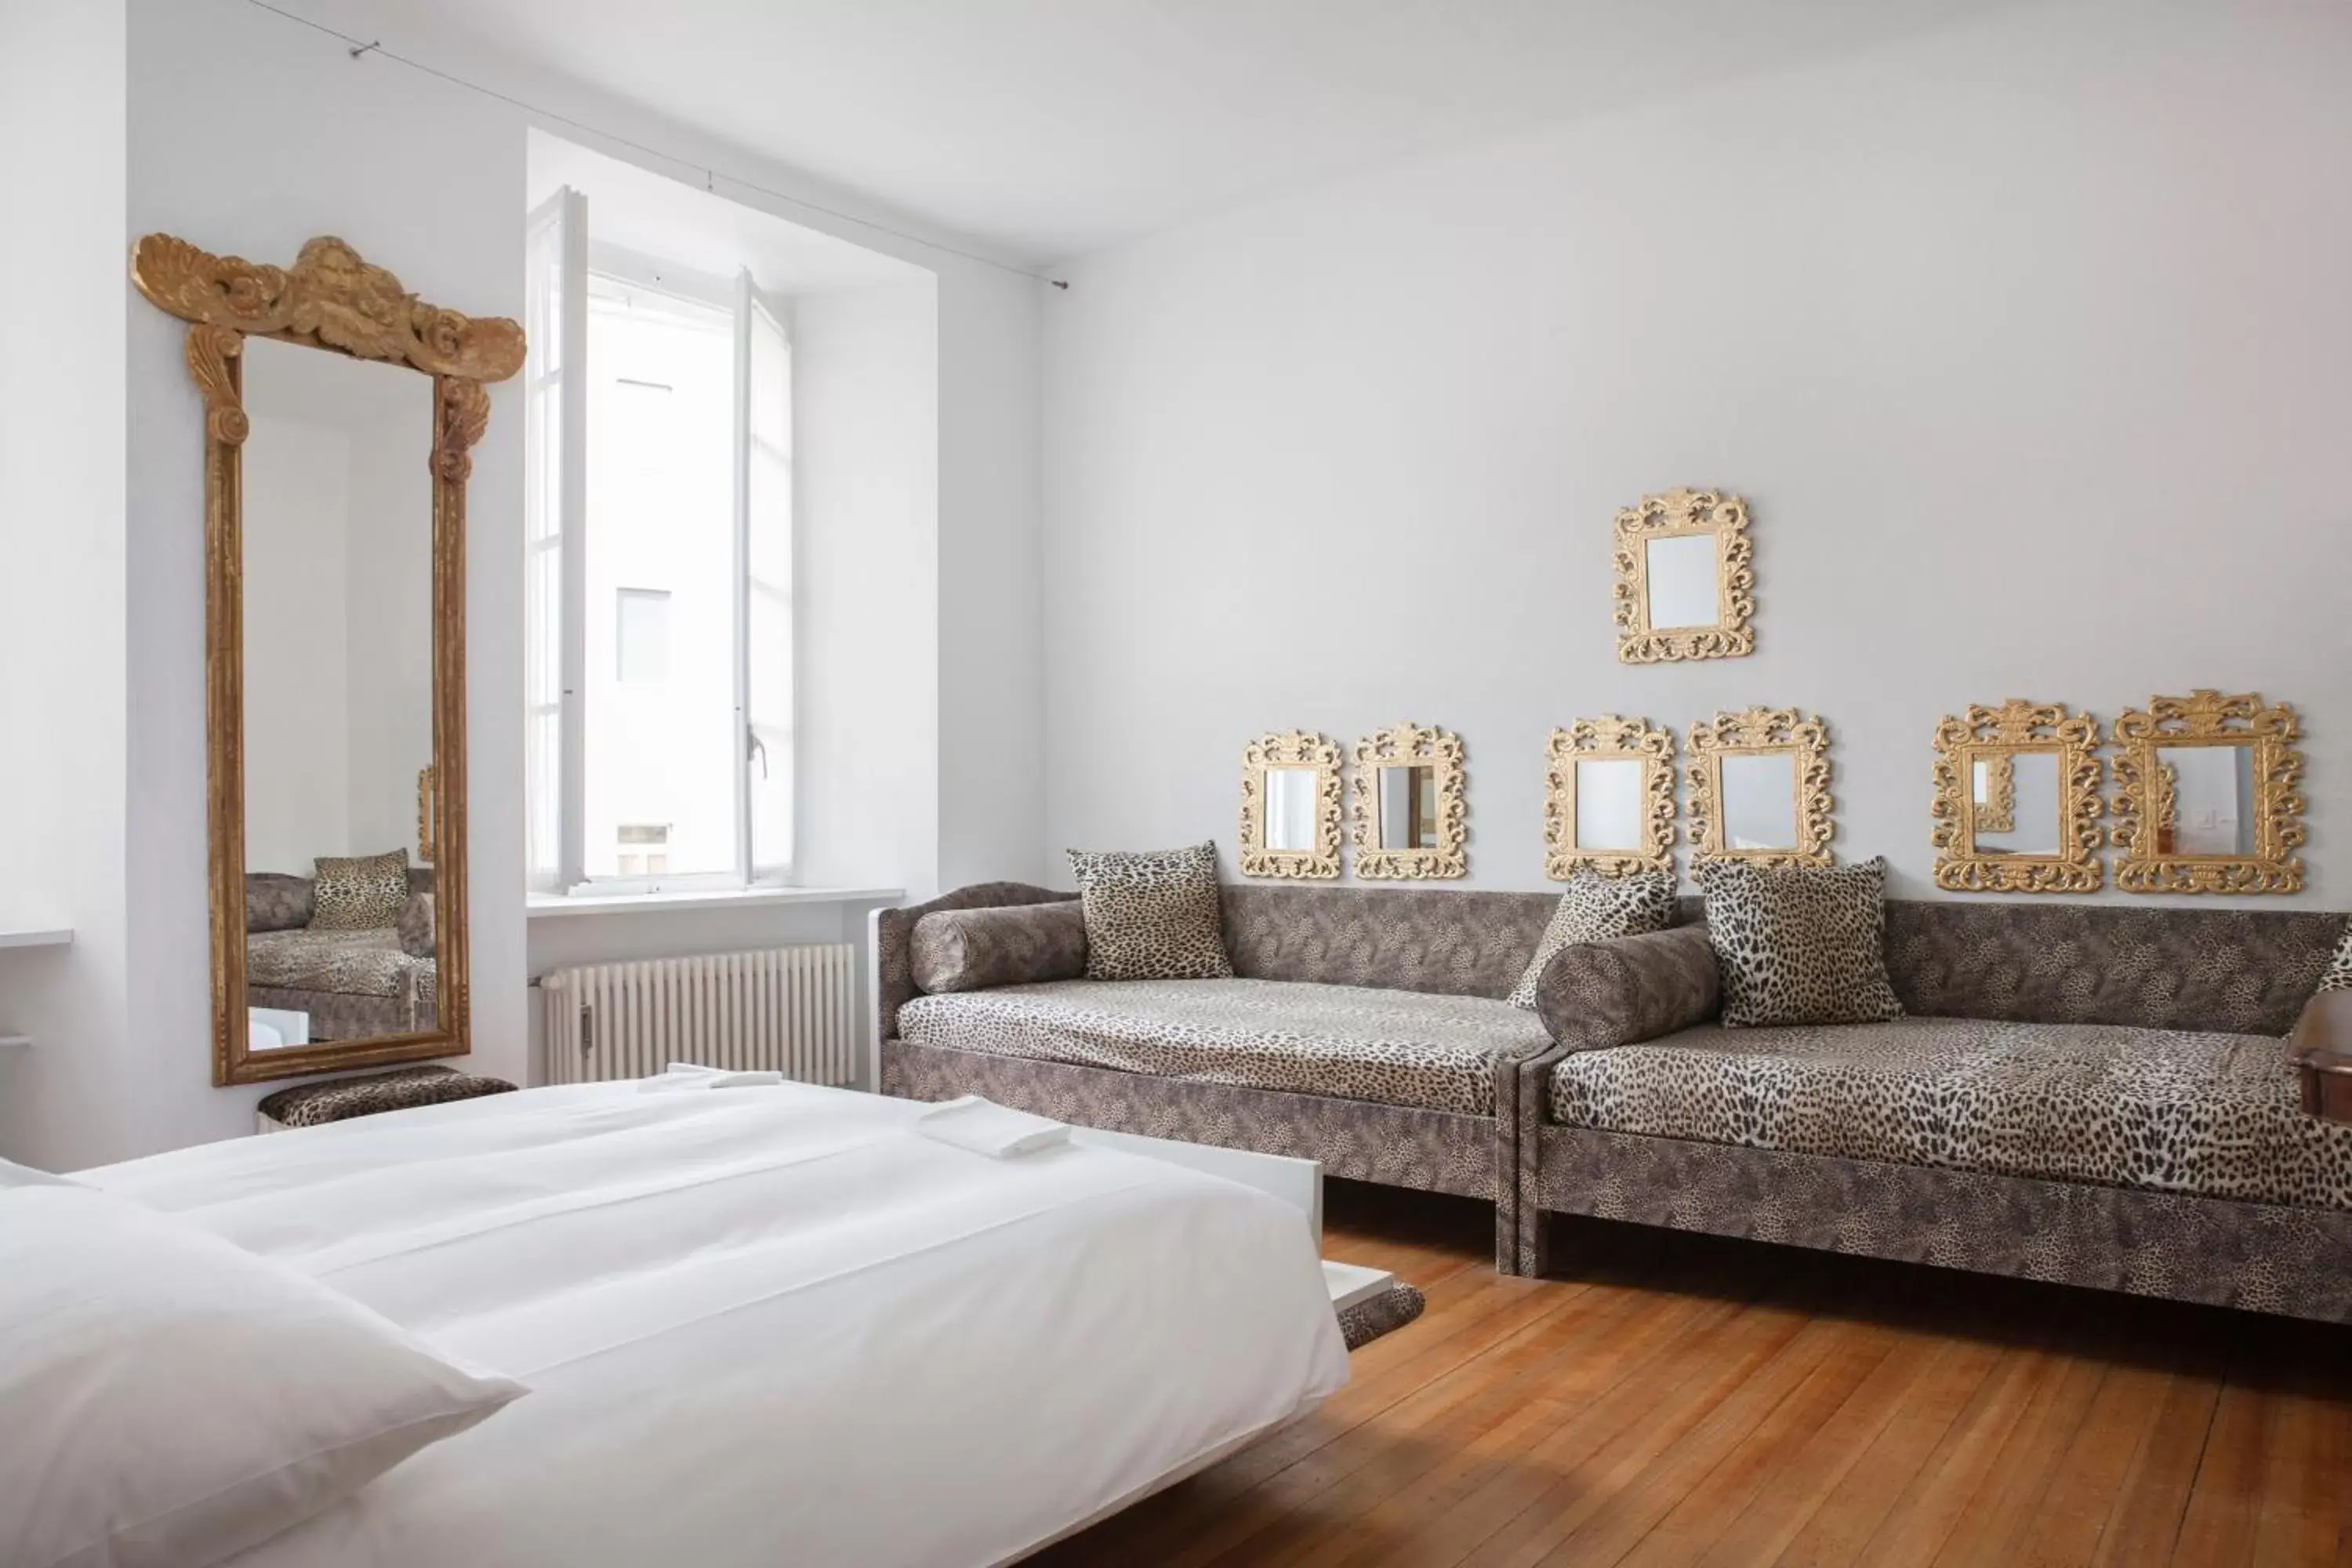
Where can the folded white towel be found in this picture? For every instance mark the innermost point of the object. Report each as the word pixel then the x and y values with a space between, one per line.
pixel 986 1128
pixel 688 1076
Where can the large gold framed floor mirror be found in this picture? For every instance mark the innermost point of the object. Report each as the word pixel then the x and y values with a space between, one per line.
pixel 334 649
pixel 2017 800
pixel 2209 795
pixel 1410 811
pixel 1609 798
pixel 1686 578
pixel 1760 789
pixel 1290 806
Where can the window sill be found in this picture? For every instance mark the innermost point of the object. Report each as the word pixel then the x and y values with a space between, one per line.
pixel 541 906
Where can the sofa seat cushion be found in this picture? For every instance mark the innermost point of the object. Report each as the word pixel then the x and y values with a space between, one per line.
pixel 1397 1047
pixel 348 962
pixel 2166 1111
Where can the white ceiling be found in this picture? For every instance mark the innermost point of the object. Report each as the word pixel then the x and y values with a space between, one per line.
pixel 1053 127
pixel 653 215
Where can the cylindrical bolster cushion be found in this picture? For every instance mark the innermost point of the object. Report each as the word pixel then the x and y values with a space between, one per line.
pixel 1596 994
pixel 964 950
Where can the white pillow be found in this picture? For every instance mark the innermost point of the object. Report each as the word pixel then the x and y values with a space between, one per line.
pixel 169 1399
pixel 15 1175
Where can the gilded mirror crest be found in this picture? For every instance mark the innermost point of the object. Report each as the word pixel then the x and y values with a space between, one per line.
pixel 1760 789
pixel 1686 578
pixel 1409 814
pixel 328 955
pixel 2017 801
pixel 1290 806
pixel 2208 797
pixel 1609 798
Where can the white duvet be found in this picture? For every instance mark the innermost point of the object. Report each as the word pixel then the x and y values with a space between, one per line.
pixel 773 1326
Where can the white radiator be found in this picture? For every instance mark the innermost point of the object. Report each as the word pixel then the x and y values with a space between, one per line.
pixel 787 1009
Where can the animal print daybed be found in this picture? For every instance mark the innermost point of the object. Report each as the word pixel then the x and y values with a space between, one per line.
pixel 2080 1093
pixel 1364 1028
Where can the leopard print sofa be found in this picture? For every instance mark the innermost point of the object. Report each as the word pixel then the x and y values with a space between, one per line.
pixel 1396 1048
pixel 2163 1109
pixel 2082 1093
pixel 1365 1028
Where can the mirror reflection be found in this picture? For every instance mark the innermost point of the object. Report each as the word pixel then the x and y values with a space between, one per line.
pixel 2027 785
pixel 2204 800
pixel 1609 813
pixel 338 719
pixel 1408 806
pixel 1759 791
pixel 1681 573
pixel 1290 808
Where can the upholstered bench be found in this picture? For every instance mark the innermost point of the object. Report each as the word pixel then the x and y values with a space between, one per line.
pixel 340 1099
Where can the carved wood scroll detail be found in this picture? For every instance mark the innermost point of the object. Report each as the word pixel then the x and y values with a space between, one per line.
pixel 1410 743
pixel 1629 740
pixel 1290 749
pixel 1995 737
pixel 1679 514
pixel 2143 806
pixel 1761 729
pixel 329 298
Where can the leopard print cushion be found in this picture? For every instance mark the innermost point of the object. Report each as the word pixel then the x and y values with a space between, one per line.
pixel 340 1099
pixel 1397 1047
pixel 361 893
pixel 1598 909
pixel 1017 944
pixel 2167 1111
pixel 2338 975
pixel 1151 915
pixel 1800 944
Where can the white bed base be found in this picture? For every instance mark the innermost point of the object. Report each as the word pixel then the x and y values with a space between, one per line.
pixel 1298 1182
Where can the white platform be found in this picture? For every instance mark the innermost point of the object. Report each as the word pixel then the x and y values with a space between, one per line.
pixel 61 937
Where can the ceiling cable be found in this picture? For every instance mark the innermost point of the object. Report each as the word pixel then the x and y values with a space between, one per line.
pixel 359 49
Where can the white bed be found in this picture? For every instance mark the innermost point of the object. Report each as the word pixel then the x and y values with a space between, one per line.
pixel 770 1326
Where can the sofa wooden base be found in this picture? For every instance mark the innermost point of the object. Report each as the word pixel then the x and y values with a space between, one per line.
pixel 2259 1257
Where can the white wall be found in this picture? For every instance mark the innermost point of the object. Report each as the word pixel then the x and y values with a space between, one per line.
pixel 62 589
pixel 2026 342
pixel 248 132
pixel 867 524
pixel 424 178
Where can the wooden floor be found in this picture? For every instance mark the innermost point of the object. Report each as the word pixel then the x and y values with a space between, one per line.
pixel 1673 1399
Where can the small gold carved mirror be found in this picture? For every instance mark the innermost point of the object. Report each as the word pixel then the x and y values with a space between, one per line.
pixel 2017 801
pixel 1609 799
pixel 1290 806
pixel 1409 814
pixel 2208 797
pixel 1760 789
pixel 334 649
pixel 1686 578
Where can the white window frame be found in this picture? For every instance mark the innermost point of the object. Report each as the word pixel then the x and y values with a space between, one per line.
pixel 740 297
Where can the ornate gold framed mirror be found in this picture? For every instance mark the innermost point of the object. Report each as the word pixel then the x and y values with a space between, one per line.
pixel 334 649
pixel 2017 801
pixel 1609 798
pixel 1411 817
pixel 1760 789
pixel 2208 797
pixel 1290 806
pixel 1686 578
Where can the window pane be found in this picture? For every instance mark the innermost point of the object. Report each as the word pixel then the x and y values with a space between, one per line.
pixel 768 620
pixel 662 730
pixel 643 633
